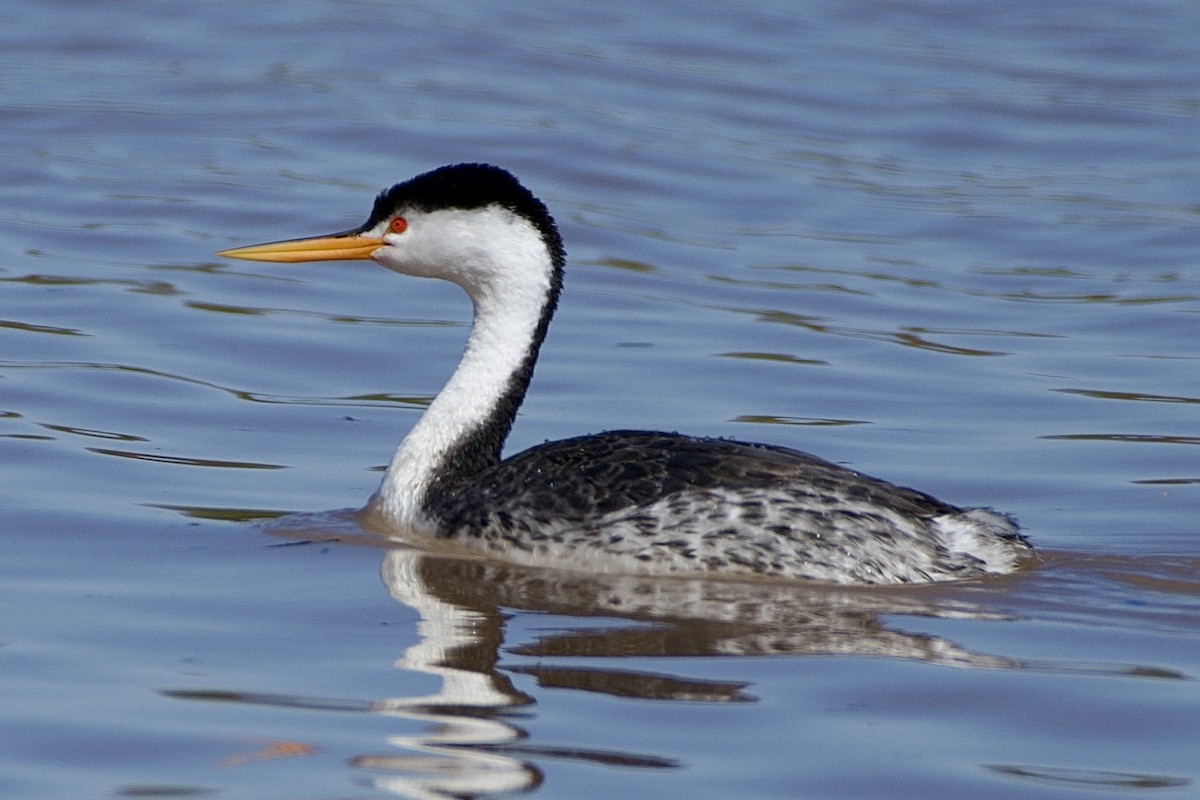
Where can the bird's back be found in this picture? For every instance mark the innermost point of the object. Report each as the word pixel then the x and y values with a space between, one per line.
pixel 664 503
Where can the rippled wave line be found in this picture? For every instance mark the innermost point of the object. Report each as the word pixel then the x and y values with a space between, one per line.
pixel 373 400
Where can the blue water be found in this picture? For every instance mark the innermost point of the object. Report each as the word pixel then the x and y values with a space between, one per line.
pixel 950 245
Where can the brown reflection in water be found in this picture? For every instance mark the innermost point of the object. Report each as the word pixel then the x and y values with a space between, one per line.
pixel 93 433
pixel 182 460
pixel 1089 778
pixel 1097 394
pixel 29 327
pixel 917 338
pixel 376 400
pixel 774 419
pixel 1136 438
pixel 778 358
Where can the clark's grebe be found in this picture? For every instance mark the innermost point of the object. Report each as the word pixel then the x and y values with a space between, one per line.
pixel 623 501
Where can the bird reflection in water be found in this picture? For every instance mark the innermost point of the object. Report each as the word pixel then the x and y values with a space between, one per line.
pixel 474 745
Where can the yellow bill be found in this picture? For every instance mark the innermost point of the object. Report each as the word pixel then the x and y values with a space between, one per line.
pixel 339 247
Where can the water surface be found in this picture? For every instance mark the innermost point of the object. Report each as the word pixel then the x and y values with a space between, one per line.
pixel 954 247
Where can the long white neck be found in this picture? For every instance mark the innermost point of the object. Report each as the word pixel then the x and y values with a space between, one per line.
pixel 463 429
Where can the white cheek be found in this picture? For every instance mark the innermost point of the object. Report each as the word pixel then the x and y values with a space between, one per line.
pixel 407 254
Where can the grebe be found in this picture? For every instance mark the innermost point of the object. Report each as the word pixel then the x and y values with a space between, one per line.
pixel 622 501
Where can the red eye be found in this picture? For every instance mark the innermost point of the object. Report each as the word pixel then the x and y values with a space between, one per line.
pixel 398 225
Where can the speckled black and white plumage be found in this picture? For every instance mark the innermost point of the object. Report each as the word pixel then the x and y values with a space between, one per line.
pixel 623 501
pixel 664 503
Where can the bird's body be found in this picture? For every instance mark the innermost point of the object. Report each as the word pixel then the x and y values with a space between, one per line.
pixel 623 501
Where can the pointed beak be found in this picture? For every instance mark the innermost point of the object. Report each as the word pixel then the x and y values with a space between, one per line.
pixel 347 246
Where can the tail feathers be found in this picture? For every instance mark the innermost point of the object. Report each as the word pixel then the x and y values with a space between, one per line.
pixel 990 537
